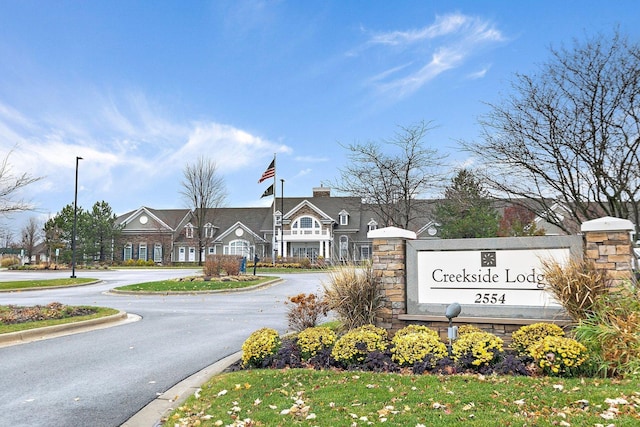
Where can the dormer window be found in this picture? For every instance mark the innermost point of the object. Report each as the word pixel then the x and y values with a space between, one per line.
pixel 372 225
pixel 278 216
pixel 208 230
pixel 344 217
pixel 188 231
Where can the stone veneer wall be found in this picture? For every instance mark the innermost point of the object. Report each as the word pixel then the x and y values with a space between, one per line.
pixel 389 267
pixel 607 242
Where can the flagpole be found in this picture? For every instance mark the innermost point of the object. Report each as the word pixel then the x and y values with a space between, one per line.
pixel 274 240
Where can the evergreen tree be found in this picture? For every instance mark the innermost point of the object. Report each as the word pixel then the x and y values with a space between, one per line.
pixel 100 231
pixel 466 210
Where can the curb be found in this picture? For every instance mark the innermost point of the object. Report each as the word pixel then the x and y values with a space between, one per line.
pixel 151 415
pixel 214 291
pixel 19 337
pixel 44 288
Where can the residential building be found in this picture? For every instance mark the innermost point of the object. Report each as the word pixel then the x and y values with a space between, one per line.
pixel 316 227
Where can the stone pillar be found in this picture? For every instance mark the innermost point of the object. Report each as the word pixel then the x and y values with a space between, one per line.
pixel 389 261
pixel 608 243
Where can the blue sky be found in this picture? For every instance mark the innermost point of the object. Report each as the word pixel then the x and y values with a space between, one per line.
pixel 141 88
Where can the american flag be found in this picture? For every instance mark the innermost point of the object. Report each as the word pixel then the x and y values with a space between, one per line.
pixel 269 173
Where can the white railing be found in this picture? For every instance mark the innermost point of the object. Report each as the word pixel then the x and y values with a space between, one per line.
pixel 307 232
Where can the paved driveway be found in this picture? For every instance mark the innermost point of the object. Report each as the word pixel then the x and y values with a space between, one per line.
pixel 103 377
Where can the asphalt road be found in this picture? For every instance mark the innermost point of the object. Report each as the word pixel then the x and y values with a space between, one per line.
pixel 103 377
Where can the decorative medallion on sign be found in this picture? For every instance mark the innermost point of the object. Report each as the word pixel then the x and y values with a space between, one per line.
pixel 488 259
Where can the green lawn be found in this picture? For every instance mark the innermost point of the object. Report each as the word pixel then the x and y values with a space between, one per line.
pixel 332 398
pixel 191 286
pixel 100 312
pixel 49 283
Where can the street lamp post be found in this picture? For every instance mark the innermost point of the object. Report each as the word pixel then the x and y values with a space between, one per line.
pixel 75 221
pixel 282 219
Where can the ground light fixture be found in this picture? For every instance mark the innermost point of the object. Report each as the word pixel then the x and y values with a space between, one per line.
pixel 452 311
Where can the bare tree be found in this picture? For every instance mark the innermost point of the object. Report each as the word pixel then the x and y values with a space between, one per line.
pixel 10 186
pixel 31 233
pixel 390 175
pixel 204 191
pixel 569 135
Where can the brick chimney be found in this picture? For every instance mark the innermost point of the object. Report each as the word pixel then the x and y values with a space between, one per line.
pixel 321 191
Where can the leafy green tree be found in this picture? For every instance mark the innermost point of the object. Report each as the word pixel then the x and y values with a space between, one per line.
pixel 466 211
pixel 99 231
pixel 96 231
pixel 58 231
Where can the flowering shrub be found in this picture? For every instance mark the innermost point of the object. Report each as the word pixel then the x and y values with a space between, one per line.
pixel 352 347
pixel 312 340
pixel 412 329
pixel 466 329
pixel 476 349
pixel 528 335
pixel 409 348
pixel 260 344
pixel 558 355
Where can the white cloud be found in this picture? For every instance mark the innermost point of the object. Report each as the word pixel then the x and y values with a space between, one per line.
pixel 230 147
pixel 311 159
pixel 479 74
pixel 302 173
pixel 125 143
pixel 447 44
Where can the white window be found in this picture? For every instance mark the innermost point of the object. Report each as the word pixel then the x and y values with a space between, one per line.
pixel 238 247
pixel 142 251
pixel 157 252
pixel 127 252
pixel 305 225
pixel 344 218
pixel 208 230
pixel 188 231
pixel 372 225
pixel 365 252
pixel 344 247
pixel 192 254
pixel 211 250
pixel 278 216
pixel 181 254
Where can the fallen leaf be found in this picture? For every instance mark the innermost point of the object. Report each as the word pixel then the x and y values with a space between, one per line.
pixel 616 401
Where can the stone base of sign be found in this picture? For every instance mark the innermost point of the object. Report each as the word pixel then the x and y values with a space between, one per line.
pixel 500 327
pixel 608 244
